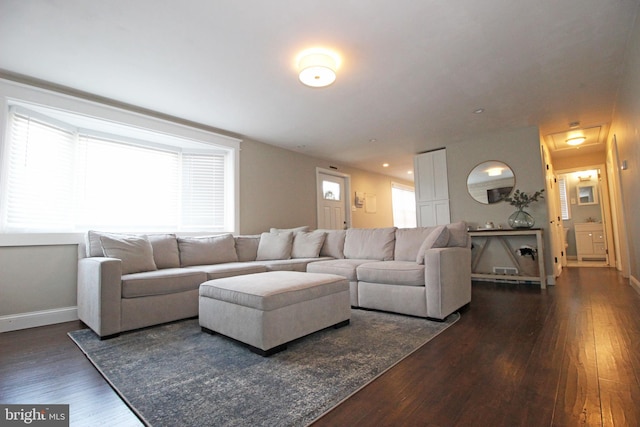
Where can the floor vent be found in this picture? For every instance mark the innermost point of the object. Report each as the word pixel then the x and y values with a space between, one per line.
pixel 505 270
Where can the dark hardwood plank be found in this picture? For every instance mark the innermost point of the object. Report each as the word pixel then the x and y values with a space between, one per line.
pixel 519 356
pixel 43 366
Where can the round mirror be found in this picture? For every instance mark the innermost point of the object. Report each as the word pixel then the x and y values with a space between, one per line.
pixel 490 182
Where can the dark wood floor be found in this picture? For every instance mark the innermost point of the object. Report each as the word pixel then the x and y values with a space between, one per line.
pixel 565 356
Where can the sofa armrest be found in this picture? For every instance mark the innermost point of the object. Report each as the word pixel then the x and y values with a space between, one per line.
pixel 447 279
pixel 99 294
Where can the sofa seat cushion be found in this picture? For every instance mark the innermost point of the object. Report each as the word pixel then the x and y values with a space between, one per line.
pixel 161 282
pixel 273 290
pixel 342 267
pixel 297 264
pixel 229 269
pixel 405 273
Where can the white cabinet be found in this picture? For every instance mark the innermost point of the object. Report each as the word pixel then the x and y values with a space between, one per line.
pixel 590 241
pixel 432 188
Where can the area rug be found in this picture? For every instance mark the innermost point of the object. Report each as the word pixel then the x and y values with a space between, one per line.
pixel 175 374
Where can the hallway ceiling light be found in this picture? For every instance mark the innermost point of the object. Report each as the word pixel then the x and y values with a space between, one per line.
pixel 576 140
pixel 494 171
pixel 317 67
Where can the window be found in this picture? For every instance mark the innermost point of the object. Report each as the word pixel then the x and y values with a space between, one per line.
pixel 404 205
pixel 564 206
pixel 58 176
pixel 331 190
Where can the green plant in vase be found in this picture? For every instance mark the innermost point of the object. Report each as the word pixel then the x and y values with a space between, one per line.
pixel 522 200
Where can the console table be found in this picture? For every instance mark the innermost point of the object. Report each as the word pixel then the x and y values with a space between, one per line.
pixel 482 238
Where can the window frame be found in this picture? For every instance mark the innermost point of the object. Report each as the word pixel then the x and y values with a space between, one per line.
pixel 36 98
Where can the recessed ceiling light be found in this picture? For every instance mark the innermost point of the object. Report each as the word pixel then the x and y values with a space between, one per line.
pixel 478 111
pixel 576 140
pixel 385 165
pixel 373 140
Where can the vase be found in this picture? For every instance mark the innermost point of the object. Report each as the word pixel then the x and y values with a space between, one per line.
pixel 521 219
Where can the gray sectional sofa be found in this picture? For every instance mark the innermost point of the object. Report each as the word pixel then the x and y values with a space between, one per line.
pixel 127 282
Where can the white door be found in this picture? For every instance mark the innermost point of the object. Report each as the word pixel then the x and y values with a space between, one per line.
pixel 333 201
pixel 432 188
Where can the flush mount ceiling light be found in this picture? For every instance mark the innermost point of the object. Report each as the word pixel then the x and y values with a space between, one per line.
pixel 576 140
pixel 317 67
pixel 494 171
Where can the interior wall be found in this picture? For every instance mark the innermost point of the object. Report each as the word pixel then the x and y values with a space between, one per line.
pixel 278 189
pixel 625 130
pixel 520 150
pixel 37 278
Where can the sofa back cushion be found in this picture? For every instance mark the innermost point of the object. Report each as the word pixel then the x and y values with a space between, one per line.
pixel 135 252
pixel 207 250
pixel 247 247
pixel 408 242
pixel 165 246
pixel 370 243
pixel 275 246
pixel 307 244
pixel 333 245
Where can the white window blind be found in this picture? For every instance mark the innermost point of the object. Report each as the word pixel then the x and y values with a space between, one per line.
pixel 64 179
pixel 39 185
pixel 564 206
pixel 203 190
pixel 403 200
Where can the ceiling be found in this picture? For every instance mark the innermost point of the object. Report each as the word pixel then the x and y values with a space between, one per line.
pixel 412 72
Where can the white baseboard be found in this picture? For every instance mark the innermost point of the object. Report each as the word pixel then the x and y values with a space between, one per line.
pixel 635 283
pixel 14 322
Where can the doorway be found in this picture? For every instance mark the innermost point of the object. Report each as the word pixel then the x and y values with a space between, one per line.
pixel 586 217
pixel 333 199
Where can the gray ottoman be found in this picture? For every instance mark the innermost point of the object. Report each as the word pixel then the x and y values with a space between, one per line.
pixel 268 310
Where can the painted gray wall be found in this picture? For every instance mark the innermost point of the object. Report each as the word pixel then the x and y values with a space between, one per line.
pixel 520 149
pixel 626 128
pixel 34 278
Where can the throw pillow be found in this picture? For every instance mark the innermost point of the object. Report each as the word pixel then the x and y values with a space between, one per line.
pixel 275 246
pixel 333 244
pixel 458 234
pixel 165 250
pixel 207 250
pixel 438 238
pixel 93 244
pixel 307 244
pixel 293 230
pixel 135 253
